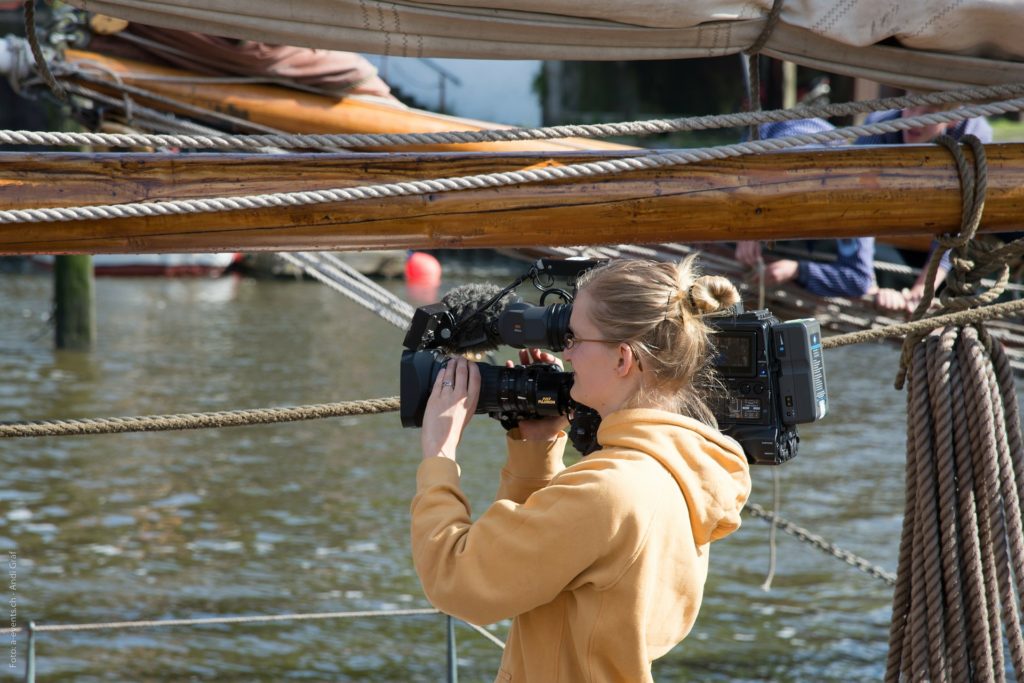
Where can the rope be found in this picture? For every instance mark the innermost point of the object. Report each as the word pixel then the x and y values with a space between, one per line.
pixel 968 317
pixel 821 544
pixel 236 418
pixel 141 114
pixel 772 542
pixel 631 128
pixel 970 259
pixel 962 546
pixel 486 634
pixel 251 619
pixel 42 68
pixel 182 421
pixel 961 564
pixel 503 179
pixel 170 103
pixel 254 619
pixel 769 25
pixel 342 278
pixel 753 66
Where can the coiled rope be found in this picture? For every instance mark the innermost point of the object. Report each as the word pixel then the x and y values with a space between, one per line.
pixel 961 560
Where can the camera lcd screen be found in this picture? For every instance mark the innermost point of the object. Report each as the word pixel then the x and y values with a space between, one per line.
pixel 734 353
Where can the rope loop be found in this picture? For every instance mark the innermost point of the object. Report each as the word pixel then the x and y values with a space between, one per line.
pixel 971 258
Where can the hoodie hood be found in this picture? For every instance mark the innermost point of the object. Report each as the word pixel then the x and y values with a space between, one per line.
pixel 709 467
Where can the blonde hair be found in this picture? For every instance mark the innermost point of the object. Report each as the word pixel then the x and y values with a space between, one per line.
pixel 656 309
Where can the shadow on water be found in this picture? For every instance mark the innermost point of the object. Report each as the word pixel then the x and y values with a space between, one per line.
pixel 313 517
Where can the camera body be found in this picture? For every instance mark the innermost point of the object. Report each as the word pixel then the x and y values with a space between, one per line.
pixel 774 377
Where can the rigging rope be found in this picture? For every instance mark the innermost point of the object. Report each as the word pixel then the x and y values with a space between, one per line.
pixel 251 619
pixel 455 184
pixel 42 68
pixel 820 543
pixel 961 560
pixel 630 128
pixel 752 66
pixel 236 418
pixel 342 278
pixel 228 418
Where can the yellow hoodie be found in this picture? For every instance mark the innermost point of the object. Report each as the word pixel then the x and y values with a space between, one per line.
pixel 601 564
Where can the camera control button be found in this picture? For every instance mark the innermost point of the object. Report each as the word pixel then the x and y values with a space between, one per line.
pixel 745 389
pixel 759 388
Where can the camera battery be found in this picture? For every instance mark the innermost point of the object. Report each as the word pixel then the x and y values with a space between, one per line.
pixel 802 378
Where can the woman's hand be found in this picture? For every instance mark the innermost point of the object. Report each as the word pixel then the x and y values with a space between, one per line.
pixel 450 407
pixel 541 428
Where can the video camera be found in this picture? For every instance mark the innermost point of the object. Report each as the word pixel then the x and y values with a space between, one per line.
pixel 773 372
pixel 774 376
pixel 479 318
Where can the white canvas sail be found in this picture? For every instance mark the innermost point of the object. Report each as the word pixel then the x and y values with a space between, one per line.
pixel 929 44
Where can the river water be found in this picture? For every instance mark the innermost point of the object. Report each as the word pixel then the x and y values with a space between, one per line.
pixel 313 516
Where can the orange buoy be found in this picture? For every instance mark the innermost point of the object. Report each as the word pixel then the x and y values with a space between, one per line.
pixel 423 270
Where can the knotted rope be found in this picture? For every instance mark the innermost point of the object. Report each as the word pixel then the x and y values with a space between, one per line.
pixel 961 560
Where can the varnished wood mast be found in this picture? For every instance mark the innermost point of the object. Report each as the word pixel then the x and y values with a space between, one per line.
pixel 905 190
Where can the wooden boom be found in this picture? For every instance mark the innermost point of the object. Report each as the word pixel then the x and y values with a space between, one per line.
pixel 858 191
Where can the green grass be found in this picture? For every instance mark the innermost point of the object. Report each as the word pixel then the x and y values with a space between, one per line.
pixel 1004 130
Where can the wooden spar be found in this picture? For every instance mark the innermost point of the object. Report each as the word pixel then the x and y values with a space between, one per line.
pixel 295 111
pixel 846 192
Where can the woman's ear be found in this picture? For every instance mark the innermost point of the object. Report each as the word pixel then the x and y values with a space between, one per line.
pixel 627 360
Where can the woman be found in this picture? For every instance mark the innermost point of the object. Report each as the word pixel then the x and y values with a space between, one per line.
pixel 601 564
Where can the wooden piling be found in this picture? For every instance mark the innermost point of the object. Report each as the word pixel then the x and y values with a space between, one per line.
pixel 75 302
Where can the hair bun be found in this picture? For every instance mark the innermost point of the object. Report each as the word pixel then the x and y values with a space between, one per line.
pixel 711 293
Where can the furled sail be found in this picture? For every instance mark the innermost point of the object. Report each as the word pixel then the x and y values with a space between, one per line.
pixel 913 43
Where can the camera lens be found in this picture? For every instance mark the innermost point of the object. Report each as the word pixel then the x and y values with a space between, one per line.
pixel 522 392
pixel 523 325
pixel 525 391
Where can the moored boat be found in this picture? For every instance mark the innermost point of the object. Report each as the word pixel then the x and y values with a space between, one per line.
pixel 166 265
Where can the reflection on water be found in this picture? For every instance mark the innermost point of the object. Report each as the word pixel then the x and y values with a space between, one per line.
pixel 313 516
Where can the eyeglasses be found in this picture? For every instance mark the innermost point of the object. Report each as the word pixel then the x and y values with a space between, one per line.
pixel 570 341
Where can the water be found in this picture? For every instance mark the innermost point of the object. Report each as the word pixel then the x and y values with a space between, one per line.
pixel 313 516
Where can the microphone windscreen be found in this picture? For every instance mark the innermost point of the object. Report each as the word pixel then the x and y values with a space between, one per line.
pixel 479 334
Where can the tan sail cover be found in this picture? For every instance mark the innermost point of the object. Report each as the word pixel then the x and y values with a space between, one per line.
pixel 929 43
pixel 329 70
